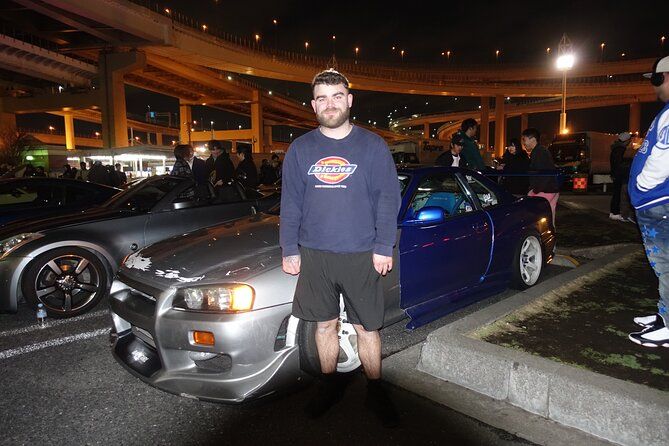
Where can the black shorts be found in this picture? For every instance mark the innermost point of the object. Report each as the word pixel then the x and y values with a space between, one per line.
pixel 324 275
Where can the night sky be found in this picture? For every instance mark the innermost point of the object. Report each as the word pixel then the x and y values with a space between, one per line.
pixel 472 31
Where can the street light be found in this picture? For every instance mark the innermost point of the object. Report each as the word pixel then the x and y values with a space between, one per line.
pixel 211 127
pixel 565 62
pixel 51 129
pixel 601 56
pixel 306 47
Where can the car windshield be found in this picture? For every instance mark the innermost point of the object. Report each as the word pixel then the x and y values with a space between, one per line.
pixel 143 196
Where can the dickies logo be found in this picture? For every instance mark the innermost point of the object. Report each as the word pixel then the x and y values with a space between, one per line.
pixel 332 169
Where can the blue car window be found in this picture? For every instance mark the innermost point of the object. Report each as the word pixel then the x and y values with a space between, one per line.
pixel 442 191
pixel 486 197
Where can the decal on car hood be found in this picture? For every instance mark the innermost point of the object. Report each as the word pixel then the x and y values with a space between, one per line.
pixel 136 261
pixel 175 274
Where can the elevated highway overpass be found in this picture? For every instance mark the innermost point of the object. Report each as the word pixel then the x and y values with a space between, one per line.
pixel 110 43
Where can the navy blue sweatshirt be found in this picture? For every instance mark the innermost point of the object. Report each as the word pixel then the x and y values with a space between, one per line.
pixel 339 195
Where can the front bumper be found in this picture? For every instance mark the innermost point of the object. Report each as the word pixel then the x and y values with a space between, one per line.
pixel 155 343
pixel 11 268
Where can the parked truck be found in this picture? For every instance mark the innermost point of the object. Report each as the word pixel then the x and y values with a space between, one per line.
pixel 584 153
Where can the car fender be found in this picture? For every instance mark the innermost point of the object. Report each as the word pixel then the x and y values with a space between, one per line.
pixel 15 282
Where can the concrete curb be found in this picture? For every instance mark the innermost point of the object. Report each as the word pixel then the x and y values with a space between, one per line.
pixel 400 370
pixel 609 408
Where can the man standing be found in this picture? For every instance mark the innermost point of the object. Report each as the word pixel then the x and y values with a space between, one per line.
pixel 339 205
pixel 618 172
pixel 541 163
pixel 649 192
pixel 470 148
pixel 121 177
pixel 220 169
pixel 452 158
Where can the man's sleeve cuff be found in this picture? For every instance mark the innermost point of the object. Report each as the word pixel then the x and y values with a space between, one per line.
pixel 383 250
pixel 288 251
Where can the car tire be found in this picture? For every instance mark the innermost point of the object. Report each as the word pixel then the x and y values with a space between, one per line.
pixel 68 281
pixel 348 360
pixel 528 261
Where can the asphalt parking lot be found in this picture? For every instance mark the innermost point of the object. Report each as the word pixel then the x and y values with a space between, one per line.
pixel 62 386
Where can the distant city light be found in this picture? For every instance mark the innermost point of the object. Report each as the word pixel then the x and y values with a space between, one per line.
pixel 204 27
pixel 167 11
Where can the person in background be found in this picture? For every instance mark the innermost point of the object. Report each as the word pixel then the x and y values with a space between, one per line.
pixel 470 148
pixel 649 193
pixel 267 173
pixel 246 169
pixel 276 165
pixel 83 172
pixel 619 172
pixel 219 167
pixel 99 174
pixel 545 183
pixel 40 172
pixel 122 179
pixel 68 172
pixel 516 161
pixel 452 158
pixel 184 158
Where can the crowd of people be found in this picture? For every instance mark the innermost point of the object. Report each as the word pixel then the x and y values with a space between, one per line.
pixel 97 173
pixel 219 169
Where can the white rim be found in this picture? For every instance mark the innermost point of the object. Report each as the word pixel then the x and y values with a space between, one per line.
pixel 348 360
pixel 531 260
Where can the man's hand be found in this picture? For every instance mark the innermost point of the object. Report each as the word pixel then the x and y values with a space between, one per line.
pixel 291 265
pixel 382 264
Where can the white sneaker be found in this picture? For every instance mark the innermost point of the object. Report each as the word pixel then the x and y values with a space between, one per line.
pixel 651 337
pixel 649 321
pixel 616 217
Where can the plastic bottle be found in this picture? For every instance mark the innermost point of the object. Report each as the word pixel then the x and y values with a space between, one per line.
pixel 41 315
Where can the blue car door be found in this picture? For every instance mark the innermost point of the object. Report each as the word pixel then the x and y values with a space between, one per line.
pixel 442 261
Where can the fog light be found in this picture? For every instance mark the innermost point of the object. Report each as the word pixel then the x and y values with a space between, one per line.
pixel 203 338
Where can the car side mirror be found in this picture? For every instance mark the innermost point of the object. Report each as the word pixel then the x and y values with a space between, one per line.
pixel 427 216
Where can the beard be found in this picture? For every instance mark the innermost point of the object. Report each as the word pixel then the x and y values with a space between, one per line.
pixel 333 121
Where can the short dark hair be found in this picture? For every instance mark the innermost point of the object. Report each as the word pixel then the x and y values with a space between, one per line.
pixel 467 124
pixel 275 156
pixel 182 150
pixel 223 146
pixel 329 77
pixel 531 132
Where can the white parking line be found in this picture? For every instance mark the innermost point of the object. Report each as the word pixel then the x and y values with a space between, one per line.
pixel 6 354
pixel 53 323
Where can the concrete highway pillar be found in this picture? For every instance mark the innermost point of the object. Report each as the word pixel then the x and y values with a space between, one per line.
pixel 159 139
pixel 524 121
pixel 635 117
pixel 7 121
pixel 113 66
pixel 500 126
pixel 484 126
pixel 426 130
pixel 69 131
pixel 256 122
pixel 185 123
pixel 268 135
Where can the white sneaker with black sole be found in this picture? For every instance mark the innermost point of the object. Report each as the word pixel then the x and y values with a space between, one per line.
pixel 616 217
pixel 653 336
pixel 648 321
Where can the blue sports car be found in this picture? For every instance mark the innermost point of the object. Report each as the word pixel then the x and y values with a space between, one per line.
pixel 208 314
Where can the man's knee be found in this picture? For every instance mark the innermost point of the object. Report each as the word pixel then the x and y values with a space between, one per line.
pixel 361 332
pixel 326 326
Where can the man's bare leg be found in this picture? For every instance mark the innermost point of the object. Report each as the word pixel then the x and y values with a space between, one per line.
pixel 329 388
pixel 327 344
pixel 369 351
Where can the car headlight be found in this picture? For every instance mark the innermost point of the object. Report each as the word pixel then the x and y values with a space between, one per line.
pixel 10 244
pixel 225 298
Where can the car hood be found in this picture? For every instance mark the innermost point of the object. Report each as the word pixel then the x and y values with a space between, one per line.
pixel 74 218
pixel 233 251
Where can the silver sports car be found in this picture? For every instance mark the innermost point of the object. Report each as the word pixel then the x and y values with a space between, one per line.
pixel 207 315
